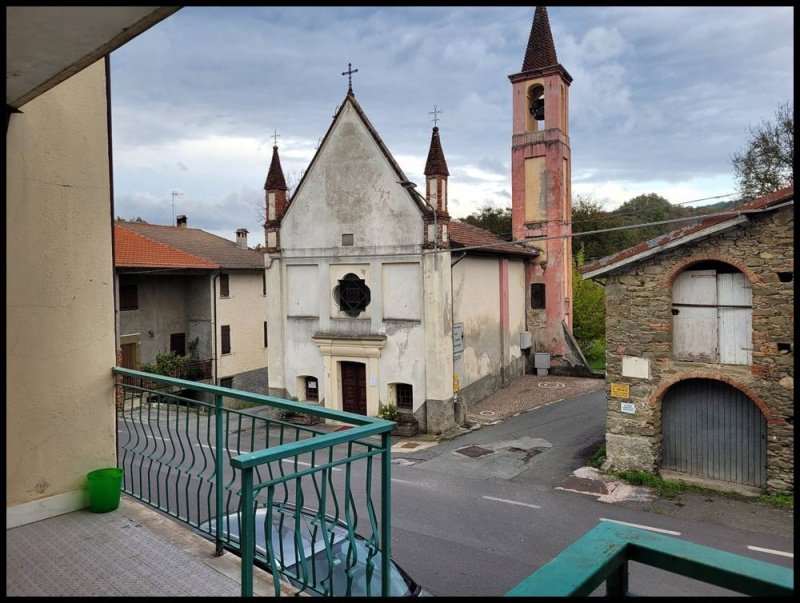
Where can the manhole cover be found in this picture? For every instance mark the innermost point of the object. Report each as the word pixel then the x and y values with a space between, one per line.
pixel 473 451
pixel 410 445
pixel 550 384
pixel 487 413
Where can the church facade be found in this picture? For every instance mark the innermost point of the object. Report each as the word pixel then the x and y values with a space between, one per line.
pixel 376 296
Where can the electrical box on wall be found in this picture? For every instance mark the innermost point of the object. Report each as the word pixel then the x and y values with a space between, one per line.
pixel 525 340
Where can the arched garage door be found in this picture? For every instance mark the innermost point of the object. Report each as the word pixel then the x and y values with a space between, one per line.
pixel 713 430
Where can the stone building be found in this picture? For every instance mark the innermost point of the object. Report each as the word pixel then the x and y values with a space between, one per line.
pixel 700 349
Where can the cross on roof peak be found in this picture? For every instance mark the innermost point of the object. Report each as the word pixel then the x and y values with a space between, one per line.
pixel 435 113
pixel 349 73
pixel 275 137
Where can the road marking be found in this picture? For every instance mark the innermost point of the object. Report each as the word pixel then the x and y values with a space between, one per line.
pixel 512 502
pixel 401 481
pixel 770 551
pixel 636 525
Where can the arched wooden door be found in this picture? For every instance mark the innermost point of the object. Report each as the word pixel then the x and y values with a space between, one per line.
pixel 713 430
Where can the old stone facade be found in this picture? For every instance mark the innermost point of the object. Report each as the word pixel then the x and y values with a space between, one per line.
pixel 639 325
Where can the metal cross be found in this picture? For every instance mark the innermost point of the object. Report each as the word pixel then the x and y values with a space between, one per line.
pixel 349 73
pixel 435 119
pixel 275 137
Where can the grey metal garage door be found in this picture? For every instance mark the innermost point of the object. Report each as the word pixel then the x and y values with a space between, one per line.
pixel 713 430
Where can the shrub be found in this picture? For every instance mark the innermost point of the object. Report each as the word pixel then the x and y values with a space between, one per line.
pixel 387 411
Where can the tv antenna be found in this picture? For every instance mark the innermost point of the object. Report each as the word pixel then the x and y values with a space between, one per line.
pixel 174 194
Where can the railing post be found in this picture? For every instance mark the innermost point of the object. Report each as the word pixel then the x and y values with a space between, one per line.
pixel 248 532
pixel 386 512
pixel 617 582
pixel 218 472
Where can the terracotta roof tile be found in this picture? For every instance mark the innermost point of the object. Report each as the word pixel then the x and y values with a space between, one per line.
pixel 275 179
pixel 653 244
pixel 436 165
pixel 220 252
pixel 134 250
pixel 541 51
pixel 462 234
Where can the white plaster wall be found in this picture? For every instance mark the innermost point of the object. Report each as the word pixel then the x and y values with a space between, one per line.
pixel 275 324
pixel 60 346
pixel 245 311
pixel 302 290
pixel 438 324
pixel 476 303
pixel 350 189
pixel 401 284
pixel 516 307
pixel 403 359
pixel 303 356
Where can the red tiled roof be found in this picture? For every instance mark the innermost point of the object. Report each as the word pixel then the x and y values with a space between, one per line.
pixel 275 179
pixel 222 253
pixel 436 165
pixel 462 234
pixel 541 51
pixel 660 241
pixel 133 250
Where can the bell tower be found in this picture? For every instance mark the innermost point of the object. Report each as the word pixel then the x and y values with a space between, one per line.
pixel 541 205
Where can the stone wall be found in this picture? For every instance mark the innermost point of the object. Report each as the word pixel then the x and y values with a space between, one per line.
pixel 639 324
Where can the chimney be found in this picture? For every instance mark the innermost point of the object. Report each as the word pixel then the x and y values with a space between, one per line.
pixel 241 238
pixel 181 221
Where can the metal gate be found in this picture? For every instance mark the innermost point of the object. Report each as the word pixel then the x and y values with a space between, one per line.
pixel 713 430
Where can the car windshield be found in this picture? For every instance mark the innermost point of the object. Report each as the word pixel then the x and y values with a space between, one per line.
pixel 352 575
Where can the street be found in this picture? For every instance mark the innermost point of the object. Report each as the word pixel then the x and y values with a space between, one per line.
pixel 477 514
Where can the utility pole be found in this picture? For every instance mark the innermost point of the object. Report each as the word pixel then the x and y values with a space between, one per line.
pixel 174 194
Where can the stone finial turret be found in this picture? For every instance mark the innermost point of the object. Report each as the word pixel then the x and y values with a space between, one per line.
pixel 276 202
pixel 436 174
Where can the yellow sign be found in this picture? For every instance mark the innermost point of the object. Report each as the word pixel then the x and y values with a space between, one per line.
pixel 620 390
pixel 455 382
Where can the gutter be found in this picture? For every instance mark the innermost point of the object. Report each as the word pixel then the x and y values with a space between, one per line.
pixel 214 326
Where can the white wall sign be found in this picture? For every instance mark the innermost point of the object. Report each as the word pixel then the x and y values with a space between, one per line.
pixel 638 368
pixel 628 407
pixel 458 340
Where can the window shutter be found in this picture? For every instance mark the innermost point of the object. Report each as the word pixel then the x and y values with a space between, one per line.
pixel 226 339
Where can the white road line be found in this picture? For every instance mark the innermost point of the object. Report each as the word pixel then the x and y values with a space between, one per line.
pixel 770 551
pixel 512 502
pixel 401 481
pixel 636 525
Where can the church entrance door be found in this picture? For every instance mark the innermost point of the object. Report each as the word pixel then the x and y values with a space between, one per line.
pixel 354 387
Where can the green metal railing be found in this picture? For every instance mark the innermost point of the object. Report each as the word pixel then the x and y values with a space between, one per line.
pixel 310 489
pixel 603 553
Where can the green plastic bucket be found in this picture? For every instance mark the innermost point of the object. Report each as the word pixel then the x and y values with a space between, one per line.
pixel 104 489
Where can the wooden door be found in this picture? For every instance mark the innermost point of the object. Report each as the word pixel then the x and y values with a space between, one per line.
pixel 354 387
pixel 130 360
pixel 735 298
pixel 694 311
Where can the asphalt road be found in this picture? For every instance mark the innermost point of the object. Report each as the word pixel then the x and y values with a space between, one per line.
pixel 477 524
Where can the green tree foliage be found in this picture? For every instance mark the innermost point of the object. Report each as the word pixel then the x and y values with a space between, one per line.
pixel 588 215
pixel 588 306
pixel 493 219
pixel 767 162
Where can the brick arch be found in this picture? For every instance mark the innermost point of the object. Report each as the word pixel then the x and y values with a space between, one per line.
pixel 685 263
pixel 657 397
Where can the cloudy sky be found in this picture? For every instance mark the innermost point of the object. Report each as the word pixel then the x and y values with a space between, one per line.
pixel 660 99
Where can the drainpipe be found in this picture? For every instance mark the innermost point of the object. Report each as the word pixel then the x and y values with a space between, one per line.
pixel 214 327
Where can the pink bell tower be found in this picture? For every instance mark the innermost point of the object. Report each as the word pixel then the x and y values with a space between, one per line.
pixel 541 205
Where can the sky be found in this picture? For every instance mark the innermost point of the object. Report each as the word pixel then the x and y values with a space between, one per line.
pixel 660 99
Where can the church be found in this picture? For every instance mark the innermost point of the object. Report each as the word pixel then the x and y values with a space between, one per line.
pixel 376 295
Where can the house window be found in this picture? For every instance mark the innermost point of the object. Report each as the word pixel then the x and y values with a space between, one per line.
pixel 352 295
pixel 224 286
pixel 226 339
pixel 537 296
pixel 226 382
pixel 712 309
pixel 177 344
pixel 266 340
pixel 404 393
pixel 347 240
pixel 128 297
pixel 312 389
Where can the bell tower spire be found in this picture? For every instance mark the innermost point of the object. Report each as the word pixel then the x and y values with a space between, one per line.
pixel 541 205
pixel 436 175
pixel 276 201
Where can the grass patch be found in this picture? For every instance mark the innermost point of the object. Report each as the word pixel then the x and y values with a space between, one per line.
pixel 599 457
pixel 667 489
pixel 785 501
pixel 595 354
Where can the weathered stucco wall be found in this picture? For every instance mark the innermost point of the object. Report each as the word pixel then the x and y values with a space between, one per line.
pixel 245 311
pixel 60 346
pixel 639 324
pixel 168 304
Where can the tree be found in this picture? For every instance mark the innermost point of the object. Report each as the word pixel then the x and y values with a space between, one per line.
pixel 588 215
pixel 767 162
pixel 588 306
pixel 493 219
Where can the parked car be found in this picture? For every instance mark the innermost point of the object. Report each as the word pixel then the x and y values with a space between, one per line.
pixel 345 568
